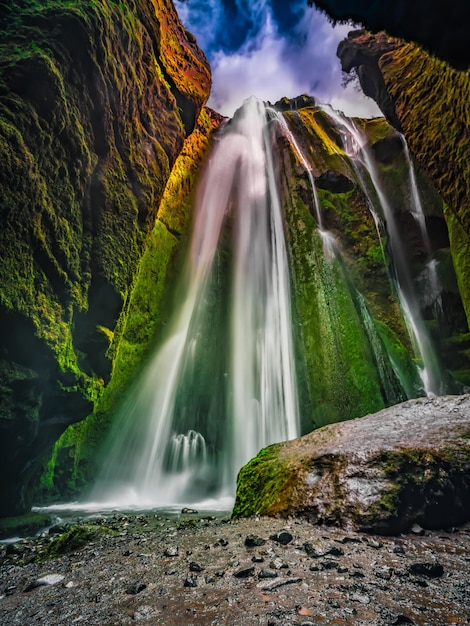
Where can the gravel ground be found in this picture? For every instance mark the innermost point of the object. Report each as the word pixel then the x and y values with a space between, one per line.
pixel 259 571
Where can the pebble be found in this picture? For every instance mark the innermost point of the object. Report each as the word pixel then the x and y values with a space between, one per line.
pixel 245 572
pixel 195 567
pixel 257 559
pixel 190 581
pixel 135 588
pixel 416 529
pixel 278 582
pixel 431 570
pixel 385 573
pixel 278 564
pixel 283 537
pixel 251 541
pixel 362 598
pixel 171 551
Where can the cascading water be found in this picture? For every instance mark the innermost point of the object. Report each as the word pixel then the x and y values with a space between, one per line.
pixel 358 151
pixel 223 385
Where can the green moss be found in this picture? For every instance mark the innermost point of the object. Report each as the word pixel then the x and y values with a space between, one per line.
pixel 72 463
pixel 23 525
pixel 460 249
pixel 76 538
pixel 264 484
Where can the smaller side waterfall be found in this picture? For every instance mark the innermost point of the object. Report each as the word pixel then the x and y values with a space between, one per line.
pixel 359 152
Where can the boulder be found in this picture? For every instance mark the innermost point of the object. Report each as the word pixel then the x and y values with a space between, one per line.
pixel 380 473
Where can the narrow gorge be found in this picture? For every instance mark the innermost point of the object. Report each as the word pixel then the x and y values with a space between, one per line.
pixel 180 289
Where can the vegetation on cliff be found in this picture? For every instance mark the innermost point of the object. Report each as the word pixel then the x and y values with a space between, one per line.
pixel 92 118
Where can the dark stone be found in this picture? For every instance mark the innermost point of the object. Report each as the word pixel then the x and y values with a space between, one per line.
pixel 267 573
pixel 283 538
pixel 431 570
pixel 441 26
pixel 135 588
pixel 195 567
pixel 293 104
pixel 186 511
pixel 190 581
pixel 334 182
pixel 257 559
pixel 329 564
pixel 252 541
pixel 387 150
pixel 245 572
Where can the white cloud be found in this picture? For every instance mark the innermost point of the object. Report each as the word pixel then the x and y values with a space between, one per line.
pixel 270 65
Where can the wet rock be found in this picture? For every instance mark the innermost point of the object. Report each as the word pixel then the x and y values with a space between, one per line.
pixel 334 182
pixel 385 573
pixel 171 551
pixel 283 537
pixel 316 553
pixel 416 529
pixel 252 541
pixel 431 570
pixel 195 567
pixel 245 572
pixel 267 573
pixel 135 588
pixel 48 579
pixel 278 582
pixel 278 564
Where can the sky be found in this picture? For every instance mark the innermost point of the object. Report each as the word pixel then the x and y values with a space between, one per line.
pixel 271 49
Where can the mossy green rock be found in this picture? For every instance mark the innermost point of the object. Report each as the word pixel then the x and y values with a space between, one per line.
pixel 380 473
pixel 76 538
pixel 96 99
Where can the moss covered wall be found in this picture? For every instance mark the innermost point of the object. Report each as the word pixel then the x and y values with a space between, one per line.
pixel 76 454
pixel 96 99
pixel 430 102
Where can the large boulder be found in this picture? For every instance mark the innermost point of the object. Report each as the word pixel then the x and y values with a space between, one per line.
pixel 406 464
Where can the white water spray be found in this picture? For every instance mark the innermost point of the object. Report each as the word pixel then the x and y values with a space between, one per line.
pixel 211 398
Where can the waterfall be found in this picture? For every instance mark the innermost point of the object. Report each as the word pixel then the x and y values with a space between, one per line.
pixel 358 150
pixel 223 384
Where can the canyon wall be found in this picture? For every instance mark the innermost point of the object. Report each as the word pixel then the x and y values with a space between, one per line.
pixel 96 100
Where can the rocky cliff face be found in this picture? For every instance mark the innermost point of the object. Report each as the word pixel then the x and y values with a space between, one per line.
pixel 428 101
pixel 96 100
pixel 349 321
pixel 440 27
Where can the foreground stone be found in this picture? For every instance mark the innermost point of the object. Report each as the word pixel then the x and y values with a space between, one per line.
pixel 381 473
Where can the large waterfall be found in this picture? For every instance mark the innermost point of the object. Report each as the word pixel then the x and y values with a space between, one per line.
pixel 223 384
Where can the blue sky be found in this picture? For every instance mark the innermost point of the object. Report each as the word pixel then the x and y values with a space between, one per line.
pixel 270 49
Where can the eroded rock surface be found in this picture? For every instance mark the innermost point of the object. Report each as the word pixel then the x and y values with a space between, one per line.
pixel 383 472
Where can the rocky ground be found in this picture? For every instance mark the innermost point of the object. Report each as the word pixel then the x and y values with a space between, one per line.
pixel 201 571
